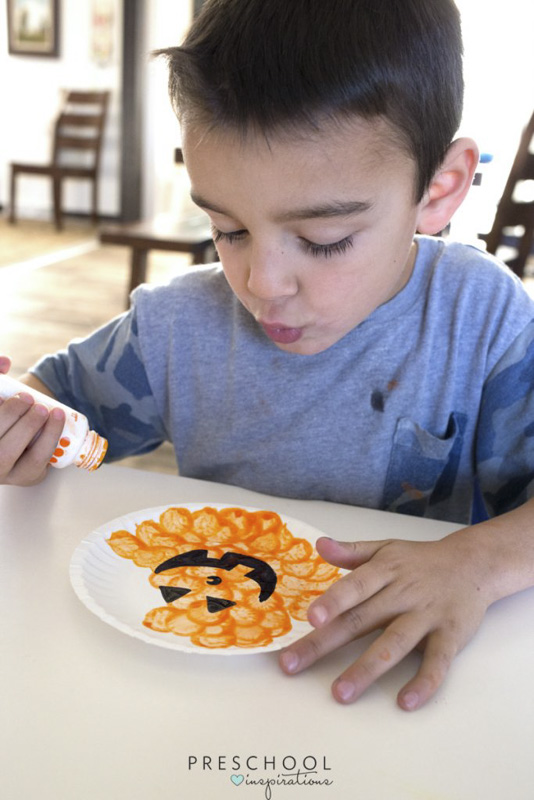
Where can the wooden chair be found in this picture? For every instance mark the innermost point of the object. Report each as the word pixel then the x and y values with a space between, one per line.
pixel 78 129
pixel 511 211
pixel 175 232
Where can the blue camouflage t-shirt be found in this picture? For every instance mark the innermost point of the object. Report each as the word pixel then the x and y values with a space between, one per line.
pixel 430 393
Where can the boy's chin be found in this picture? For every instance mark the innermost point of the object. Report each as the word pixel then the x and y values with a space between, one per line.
pixel 306 346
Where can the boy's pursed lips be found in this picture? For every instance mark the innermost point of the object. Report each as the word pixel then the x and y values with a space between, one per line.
pixel 281 333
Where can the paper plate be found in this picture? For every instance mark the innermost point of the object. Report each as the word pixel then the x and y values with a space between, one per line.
pixel 118 591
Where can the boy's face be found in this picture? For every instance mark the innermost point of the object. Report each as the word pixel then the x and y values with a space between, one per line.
pixel 313 233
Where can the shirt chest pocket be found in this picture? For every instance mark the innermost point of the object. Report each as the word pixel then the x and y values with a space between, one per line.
pixel 423 467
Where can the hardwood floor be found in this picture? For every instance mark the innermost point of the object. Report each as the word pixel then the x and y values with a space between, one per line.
pixel 28 239
pixel 43 307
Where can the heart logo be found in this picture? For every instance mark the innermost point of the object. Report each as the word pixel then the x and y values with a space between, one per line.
pixel 237 779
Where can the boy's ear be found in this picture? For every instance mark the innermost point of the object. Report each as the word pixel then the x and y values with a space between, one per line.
pixel 449 186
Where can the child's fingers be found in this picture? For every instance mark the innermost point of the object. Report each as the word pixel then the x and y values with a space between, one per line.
pixel 439 653
pixel 28 437
pixel 347 555
pixel 33 464
pixel 412 591
pixel 42 449
pixel 5 364
pixel 347 593
pixel 344 628
pixel 367 576
pixel 400 638
pixel 18 434
pixel 13 410
pixel 312 647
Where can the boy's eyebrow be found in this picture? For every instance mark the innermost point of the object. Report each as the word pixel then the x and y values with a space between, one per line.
pixel 340 208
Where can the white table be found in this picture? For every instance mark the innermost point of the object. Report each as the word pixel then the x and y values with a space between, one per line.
pixel 88 713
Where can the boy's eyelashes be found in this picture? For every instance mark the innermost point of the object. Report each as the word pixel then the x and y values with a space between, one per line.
pixel 230 237
pixel 325 250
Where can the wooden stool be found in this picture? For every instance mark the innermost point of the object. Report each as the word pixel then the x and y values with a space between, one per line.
pixel 191 235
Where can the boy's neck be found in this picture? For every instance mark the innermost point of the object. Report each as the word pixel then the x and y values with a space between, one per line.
pixel 406 272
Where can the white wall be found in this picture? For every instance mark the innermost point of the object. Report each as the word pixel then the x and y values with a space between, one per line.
pixel 499 96
pixel 29 96
pixel 167 24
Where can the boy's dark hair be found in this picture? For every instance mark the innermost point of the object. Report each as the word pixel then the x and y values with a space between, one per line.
pixel 281 65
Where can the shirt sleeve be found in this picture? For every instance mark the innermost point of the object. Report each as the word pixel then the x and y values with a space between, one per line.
pixel 103 377
pixel 505 442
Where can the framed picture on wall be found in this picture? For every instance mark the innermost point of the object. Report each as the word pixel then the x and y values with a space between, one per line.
pixel 33 27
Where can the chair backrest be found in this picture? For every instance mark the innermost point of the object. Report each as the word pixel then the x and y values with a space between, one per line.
pixel 79 127
pixel 514 210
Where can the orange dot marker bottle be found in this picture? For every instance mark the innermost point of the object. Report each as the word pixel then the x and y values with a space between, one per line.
pixel 78 444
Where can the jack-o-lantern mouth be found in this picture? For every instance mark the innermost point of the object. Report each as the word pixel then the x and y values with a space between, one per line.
pixel 220 597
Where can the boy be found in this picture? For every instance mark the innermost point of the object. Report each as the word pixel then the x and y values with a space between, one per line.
pixel 336 355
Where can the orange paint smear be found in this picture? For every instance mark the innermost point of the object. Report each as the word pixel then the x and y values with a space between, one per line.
pixel 302 575
pixel 412 491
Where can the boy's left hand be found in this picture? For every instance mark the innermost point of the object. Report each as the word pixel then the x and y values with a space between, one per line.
pixel 431 595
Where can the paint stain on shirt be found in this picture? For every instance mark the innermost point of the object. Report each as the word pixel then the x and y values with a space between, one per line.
pixel 377 401
pixel 378 397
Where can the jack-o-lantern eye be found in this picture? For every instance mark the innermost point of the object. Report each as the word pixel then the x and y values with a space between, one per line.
pixel 213 580
pixel 171 593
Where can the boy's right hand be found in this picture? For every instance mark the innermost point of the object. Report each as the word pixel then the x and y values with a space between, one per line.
pixel 29 433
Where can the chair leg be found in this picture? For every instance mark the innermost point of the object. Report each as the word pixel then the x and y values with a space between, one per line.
pixel 525 246
pixel 56 196
pixel 204 254
pixel 12 197
pixel 493 238
pixel 95 202
pixel 138 268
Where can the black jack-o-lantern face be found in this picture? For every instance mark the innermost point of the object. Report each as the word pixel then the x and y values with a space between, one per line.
pixel 261 572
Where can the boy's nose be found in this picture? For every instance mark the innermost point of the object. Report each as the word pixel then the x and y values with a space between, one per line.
pixel 271 278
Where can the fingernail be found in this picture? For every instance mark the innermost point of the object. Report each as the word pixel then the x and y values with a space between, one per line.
pixel 409 701
pixel 41 410
pixel 344 690
pixel 57 413
pixel 318 615
pixel 289 661
pixel 26 398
